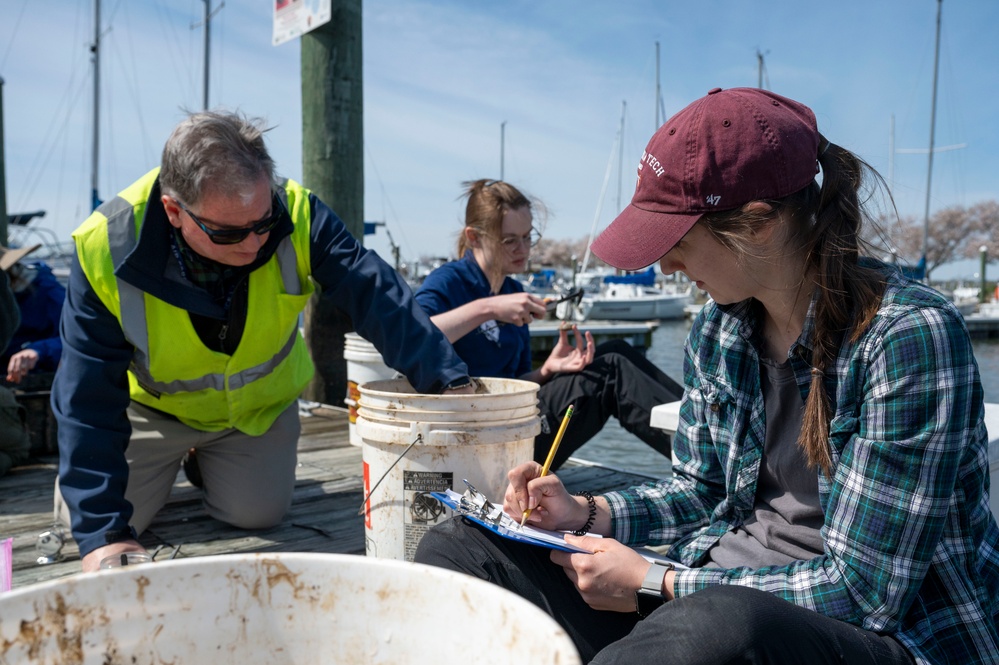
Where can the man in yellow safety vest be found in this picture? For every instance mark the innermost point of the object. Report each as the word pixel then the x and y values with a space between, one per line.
pixel 181 330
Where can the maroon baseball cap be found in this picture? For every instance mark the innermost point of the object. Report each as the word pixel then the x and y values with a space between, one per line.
pixel 724 150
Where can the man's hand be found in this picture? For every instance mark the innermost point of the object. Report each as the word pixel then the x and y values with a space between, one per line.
pixel 20 364
pixel 92 562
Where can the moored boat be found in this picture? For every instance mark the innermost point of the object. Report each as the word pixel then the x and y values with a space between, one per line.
pixel 634 302
pixel 640 296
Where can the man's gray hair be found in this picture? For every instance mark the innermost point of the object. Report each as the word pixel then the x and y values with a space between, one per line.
pixel 217 152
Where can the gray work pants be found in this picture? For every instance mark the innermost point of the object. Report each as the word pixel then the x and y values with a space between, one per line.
pixel 248 480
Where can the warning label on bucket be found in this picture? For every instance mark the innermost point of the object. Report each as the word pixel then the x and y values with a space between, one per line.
pixel 422 510
pixel 353 397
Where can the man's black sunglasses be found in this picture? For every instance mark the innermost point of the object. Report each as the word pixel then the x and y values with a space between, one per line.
pixel 235 236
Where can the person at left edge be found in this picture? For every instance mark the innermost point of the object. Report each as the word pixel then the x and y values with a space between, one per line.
pixel 15 444
pixel 36 346
pixel 180 330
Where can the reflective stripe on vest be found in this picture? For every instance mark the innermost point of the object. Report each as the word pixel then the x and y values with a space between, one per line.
pixel 121 239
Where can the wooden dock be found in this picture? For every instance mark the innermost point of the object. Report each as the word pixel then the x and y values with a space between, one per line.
pixel 323 517
pixel 544 334
pixel 983 325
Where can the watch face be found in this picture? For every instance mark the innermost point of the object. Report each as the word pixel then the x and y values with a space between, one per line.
pixel 648 602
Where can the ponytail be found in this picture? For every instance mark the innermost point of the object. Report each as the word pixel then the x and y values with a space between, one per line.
pixel 849 293
pixel 824 222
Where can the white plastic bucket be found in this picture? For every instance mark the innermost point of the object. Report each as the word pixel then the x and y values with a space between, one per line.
pixel 364 363
pixel 477 437
pixel 275 609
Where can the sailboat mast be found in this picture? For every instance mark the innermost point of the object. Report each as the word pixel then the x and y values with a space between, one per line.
pixel 208 47
pixel 933 126
pixel 3 177
pixel 209 13
pixel 658 92
pixel 620 155
pixel 95 51
pixel 891 152
pixel 502 147
pixel 603 192
pixel 660 107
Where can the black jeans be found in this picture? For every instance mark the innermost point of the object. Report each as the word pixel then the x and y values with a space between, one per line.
pixel 620 382
pixel 724 624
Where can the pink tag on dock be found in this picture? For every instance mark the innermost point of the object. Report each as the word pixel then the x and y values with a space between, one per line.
pixel 6 563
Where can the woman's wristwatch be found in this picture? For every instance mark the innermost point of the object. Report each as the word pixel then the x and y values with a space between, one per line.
pixel 650 595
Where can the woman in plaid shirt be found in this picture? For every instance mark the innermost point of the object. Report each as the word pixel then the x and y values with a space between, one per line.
pixel 830 499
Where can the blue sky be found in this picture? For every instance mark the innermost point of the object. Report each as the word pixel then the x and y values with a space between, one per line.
pixel 442 75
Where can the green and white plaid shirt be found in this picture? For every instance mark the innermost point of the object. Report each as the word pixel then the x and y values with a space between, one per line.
pixel 911 547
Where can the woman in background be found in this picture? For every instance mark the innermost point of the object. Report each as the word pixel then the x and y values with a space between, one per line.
pixel 485 314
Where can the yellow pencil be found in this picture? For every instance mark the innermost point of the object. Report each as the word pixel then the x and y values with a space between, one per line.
pixel 551 454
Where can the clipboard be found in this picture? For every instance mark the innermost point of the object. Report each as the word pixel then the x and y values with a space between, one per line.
pixel 476 507
pixel 473 505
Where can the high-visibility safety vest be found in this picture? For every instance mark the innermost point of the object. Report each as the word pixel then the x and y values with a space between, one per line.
pixel 171 369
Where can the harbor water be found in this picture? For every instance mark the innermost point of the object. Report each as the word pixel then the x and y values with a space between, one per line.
pixel 615 447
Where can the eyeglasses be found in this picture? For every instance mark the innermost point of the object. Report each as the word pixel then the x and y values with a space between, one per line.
pixel 236 236
pixel 510 243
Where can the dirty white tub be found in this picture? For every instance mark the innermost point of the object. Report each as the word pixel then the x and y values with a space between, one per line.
pixel 275 609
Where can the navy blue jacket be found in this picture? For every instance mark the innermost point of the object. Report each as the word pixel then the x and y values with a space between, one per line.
pixel 90 393
pixel 494 348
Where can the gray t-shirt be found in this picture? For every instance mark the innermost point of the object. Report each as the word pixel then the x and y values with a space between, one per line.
pixel 786 519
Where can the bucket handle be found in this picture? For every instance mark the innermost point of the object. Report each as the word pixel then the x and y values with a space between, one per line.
pixel 367 497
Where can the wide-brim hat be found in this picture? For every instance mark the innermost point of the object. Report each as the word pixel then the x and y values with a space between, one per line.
pixel 10 256
pixel 721 152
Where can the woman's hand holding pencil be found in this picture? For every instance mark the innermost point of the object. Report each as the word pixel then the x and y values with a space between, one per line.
pixel 549 502
pixel 551 456
pixel 531 485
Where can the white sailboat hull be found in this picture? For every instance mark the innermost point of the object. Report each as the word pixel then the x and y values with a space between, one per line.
pixel 626 302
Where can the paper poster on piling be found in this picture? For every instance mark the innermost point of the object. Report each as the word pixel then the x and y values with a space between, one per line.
pixel 293 18
pixel 422 510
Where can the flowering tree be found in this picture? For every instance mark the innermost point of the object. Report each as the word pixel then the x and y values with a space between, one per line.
pixel 985 219
pixel 954 232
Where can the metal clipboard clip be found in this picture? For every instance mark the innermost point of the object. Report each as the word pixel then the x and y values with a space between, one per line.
pixel 474 503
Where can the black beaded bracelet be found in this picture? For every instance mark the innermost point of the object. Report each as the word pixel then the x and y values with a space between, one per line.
pixel 593 514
